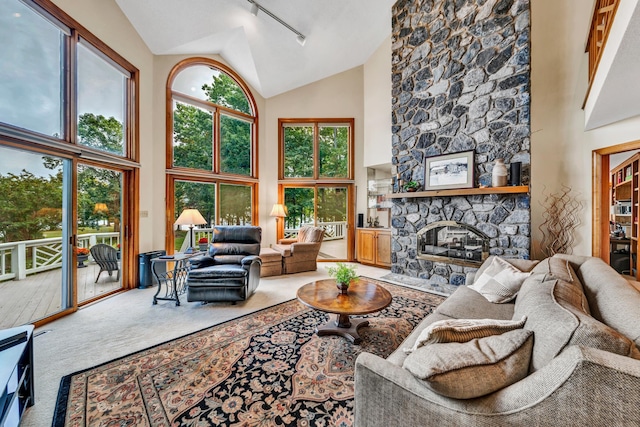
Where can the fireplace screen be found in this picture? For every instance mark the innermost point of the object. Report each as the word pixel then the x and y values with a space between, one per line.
pixel 453 242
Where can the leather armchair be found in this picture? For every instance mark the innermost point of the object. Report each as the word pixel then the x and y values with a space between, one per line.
pixel 231 269
pixel 300 254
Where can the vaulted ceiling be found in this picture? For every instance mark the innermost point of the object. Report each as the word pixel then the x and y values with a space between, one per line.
pixel 340 35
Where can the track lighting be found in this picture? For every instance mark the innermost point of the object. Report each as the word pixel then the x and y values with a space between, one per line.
pixel 255 8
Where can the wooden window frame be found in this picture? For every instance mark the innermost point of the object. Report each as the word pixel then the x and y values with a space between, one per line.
pixel 67 146
pixel 217 110
pixel 215 176
pixel 316 123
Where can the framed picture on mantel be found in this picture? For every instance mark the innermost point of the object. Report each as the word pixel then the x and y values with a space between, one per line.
pixel 449 171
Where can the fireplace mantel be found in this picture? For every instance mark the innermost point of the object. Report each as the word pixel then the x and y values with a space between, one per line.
pixel 461 192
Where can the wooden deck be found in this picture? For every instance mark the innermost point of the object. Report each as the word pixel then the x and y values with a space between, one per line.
pixel 40 295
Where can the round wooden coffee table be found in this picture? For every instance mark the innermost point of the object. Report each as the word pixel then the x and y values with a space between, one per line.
pixel 363 297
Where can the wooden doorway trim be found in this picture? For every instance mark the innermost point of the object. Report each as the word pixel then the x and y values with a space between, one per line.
pixel 600 196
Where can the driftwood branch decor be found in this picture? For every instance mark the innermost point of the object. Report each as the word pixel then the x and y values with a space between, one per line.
pixel 561 218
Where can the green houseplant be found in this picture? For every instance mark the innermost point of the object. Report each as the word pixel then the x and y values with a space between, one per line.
pixel 343 274
pixel 411 186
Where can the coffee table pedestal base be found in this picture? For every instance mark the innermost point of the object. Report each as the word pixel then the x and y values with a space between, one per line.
pixel 343 326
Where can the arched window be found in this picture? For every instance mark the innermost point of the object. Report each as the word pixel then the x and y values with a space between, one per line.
pixel 211 146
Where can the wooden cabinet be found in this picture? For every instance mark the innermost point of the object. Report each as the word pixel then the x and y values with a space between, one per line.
pixel 374 246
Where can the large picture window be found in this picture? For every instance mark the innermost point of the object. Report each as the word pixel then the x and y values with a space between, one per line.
pixel 316 149
pixel 316 181
pixel 213 126
pixel 68 164
pixel 211 143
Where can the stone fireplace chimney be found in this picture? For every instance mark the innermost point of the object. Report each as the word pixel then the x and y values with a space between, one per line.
pixel 461 82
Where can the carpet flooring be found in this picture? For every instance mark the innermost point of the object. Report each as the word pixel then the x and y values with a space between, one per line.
pixel 268 368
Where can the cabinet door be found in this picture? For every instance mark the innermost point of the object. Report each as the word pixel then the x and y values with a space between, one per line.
pixel 366 246
pixel 383 246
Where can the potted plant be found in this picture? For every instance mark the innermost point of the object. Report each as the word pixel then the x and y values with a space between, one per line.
pixel 343 274
pixel 411 186
pixel 203 243
pixel 82 255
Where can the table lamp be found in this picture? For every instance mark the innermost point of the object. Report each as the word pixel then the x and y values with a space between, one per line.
pixel 190 217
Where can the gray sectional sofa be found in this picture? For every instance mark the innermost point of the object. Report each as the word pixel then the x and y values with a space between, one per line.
pixel 581 372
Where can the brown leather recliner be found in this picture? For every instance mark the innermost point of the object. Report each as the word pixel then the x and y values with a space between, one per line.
pixel 300 254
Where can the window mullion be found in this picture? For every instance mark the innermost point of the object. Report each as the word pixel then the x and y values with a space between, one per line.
pixel 316 151
pixel 215 141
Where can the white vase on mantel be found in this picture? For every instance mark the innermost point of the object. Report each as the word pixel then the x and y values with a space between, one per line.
pixel 499 174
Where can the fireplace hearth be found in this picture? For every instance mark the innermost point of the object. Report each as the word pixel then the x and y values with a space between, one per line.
pixel 453 242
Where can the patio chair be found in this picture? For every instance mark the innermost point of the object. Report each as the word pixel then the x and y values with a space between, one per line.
pixel 107 258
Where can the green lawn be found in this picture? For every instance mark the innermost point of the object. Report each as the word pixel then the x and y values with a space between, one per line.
pixel 81 230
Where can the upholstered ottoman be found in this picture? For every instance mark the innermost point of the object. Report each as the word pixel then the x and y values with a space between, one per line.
pixel 271 262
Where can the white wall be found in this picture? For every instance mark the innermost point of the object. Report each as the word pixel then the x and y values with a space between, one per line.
pixel 377 107
pixel 560 147
pixel 338 96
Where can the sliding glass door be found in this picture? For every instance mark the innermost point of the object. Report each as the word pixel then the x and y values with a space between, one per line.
pixel 99 240
pixel 35 228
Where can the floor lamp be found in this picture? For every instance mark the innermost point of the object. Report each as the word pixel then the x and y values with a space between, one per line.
pixel 278 211
pixel 190 217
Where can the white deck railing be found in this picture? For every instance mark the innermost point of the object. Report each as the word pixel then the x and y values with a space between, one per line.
pixel 43 254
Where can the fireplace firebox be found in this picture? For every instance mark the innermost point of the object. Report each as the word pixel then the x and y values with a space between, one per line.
pixel 453 242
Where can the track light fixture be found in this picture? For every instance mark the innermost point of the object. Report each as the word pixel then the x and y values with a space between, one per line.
pixel 255 8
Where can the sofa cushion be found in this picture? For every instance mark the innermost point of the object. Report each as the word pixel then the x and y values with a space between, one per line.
pixel 612 299
pixel 474 368
pixel 551 324
pixel 572 292
pixel 525 265
pixel 222 271
pixel 500 282
pixel 398 356
pixel 463 330
pixel 465 303
pixel 558 322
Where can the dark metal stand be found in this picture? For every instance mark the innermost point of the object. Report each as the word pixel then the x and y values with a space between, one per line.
pixel 173 280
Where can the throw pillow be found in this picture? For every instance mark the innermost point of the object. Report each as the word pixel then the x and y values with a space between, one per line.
pixel 463 330
pixel 519 263
pixel 500 282
pixel 474 368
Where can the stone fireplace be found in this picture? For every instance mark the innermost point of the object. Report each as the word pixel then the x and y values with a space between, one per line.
pixel 454 242
pixel 461 82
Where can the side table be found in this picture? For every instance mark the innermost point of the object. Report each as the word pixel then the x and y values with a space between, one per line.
pixel 174 279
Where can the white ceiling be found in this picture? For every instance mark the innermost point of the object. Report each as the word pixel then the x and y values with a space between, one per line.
pixel 340 35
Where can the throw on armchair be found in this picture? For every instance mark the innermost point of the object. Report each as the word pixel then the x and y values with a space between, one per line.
pixel 231 270
pixel 300 254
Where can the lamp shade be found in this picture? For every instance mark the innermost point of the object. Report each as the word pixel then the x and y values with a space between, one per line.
pixel 278 211
pixel 100 208
pixel 190 217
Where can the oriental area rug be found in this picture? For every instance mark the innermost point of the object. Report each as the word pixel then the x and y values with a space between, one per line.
pixel 267 368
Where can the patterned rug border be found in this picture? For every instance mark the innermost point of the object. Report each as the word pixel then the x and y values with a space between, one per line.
pixel 60 410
